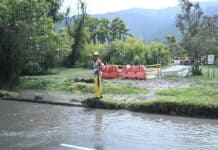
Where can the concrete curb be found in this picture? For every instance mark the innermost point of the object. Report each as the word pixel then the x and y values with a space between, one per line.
pixel 42 101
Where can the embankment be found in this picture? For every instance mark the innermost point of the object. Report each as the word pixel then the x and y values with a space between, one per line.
pixel 157 107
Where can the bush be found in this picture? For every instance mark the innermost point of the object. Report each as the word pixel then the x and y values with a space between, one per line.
pixel 196 71
pixel 136 60
pixel 31 68
pixel 131 51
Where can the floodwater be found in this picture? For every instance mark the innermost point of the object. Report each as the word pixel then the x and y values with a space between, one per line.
pixel 48 127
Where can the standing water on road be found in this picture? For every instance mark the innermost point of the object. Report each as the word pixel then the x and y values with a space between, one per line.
pixel 48 127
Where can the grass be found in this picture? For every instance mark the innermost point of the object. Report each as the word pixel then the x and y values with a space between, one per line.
pixel 192 101
pixel 203 80
pixel 206 96
pixel 62 79
pixel 8 93
pixel 199 100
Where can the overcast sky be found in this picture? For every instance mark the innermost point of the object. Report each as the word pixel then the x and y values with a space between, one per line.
pixel 105 6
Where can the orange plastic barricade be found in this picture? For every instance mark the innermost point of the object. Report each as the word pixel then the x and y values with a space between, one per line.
pixel 133 72
pixel 127 72
pixel 141 72
pixel 110 72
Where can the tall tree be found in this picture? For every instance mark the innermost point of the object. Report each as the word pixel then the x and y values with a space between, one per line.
pixel 209 34
pixel 118 30
pixel 26 33
pixel 92 24
pixel 174 47
pixel 188 22
pixel 53 9
pixel 103 30
pixel 77 33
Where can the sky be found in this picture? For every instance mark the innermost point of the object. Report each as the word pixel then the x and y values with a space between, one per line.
pixel 105 6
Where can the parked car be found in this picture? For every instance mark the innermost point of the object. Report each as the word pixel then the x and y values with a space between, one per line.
pixel 182 61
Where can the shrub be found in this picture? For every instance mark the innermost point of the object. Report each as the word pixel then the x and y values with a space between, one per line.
pixel 196 70
pixel 31 68
pixel 131 51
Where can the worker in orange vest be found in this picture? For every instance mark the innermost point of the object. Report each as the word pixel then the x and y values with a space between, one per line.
pixel 98 66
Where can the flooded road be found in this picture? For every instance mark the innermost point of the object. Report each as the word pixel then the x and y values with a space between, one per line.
pixel 47 127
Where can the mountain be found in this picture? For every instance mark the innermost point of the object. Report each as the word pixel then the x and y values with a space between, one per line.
pixel 155 25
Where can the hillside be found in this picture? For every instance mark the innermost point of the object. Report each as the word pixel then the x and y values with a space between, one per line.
pixel 154 25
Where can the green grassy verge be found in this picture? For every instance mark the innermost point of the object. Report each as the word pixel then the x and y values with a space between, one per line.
pixel 206 96
pixel 204 80
pixel 199 100
pixel 8 93
pixel 63 80
pixel 193 101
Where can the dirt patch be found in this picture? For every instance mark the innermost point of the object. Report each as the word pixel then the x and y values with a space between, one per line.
pixel 152 84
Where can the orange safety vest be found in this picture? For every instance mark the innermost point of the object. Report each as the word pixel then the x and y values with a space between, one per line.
pixel 98 65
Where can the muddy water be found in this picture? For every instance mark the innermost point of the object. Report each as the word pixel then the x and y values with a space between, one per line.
pixel 48 127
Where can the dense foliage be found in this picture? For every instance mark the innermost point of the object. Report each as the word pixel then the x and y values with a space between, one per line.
pixel 200 33
pixel 87 30
pixel 27 37
pixel 29 44
pixel 131 52
pixel 175 49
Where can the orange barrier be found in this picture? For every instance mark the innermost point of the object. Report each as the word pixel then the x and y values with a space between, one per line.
pixel 110 72
pixel 134 72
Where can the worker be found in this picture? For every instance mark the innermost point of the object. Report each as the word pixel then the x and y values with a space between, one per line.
pixel 98 66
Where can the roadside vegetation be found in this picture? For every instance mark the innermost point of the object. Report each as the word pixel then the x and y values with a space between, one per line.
pixel 209 78
pixel 192 101
pixel 198 96
pixel 34 52
pixel 6 93
pixel 63 79
pixel 199 100
pixel 46 45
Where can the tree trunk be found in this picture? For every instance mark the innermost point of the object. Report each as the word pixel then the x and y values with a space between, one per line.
pixel 196 70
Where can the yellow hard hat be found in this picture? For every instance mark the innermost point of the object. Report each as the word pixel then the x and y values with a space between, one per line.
pixel 95 53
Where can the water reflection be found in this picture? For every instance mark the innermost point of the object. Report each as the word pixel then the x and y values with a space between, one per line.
pixel 98 130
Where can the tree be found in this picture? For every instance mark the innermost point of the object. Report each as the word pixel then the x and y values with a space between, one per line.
pixel 88 29
pixel 174 47
pixel 26 34
pixel 157 53
pixel 188 22
pixel 53 9
pixel 92 24
pixel 103 30
pixel 118 30
pixel 77 33
pixel 209 34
